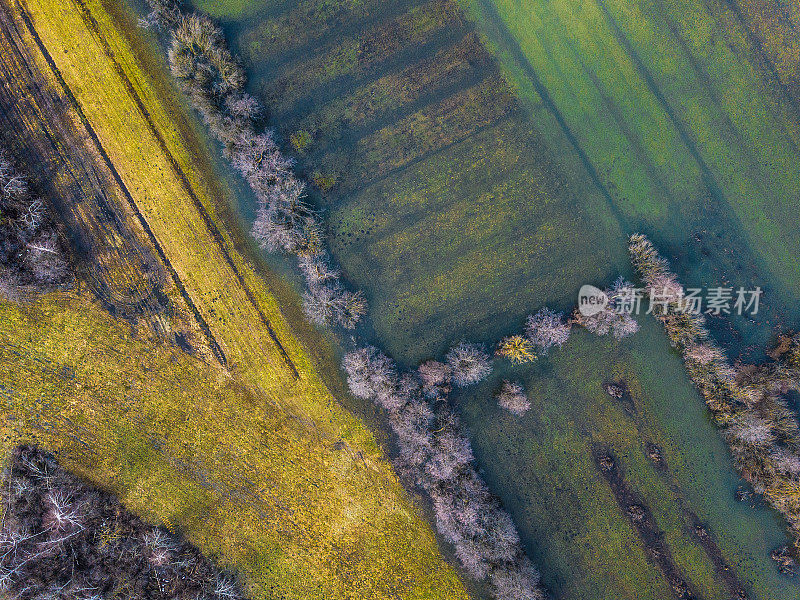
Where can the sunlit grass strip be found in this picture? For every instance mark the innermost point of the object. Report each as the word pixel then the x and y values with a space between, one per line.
pixel 121 451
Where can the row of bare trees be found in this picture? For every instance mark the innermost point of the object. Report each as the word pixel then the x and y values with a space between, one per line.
pixel 436 455
pixel 31 253
pixel 64 540
pixel 433 447
pixel 548 329
pixel 214 82
pixel 747 403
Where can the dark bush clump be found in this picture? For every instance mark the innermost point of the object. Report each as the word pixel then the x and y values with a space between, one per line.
pixel 31 253
pixel 62 539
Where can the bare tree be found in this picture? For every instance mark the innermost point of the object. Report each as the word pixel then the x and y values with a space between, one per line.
pixel 164 13
pixel 512 397
pixel 44 259
pixel 60 538
pixel 612 319
pixel 436 377
pixel 546 329
pixel 350 308
pixel 468 363
pixel 437 456
pixel 30 252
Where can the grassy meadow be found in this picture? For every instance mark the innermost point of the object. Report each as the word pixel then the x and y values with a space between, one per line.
pixel 257 463
pixel 402 119
pixel 476 164
pixel 682 115
pixel 297 510
pixel 541 465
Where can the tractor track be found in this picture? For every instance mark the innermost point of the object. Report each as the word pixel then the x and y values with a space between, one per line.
pixel 92 24
pixel 92 135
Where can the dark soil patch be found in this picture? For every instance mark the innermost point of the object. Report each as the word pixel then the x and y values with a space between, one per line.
pixel 643 522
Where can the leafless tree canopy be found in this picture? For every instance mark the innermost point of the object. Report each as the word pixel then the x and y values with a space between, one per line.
pixel 612 320
pixel 437 456
pixel 30 248
pixel 546 329
pixel 214 81
pixel 512 397
pixel 64 540
pixel 468 364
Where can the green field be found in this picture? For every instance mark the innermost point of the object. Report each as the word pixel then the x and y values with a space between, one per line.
pixel 413 120
pixel 691 132
pixel 254 460
pixel 464 188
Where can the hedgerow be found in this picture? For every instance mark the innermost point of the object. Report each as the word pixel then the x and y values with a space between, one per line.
pixel 747 403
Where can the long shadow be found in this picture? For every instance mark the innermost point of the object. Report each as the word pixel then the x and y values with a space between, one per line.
pixel 755 41
pixel 329 36
pixel 706 174
pixel 215 232
pixel 212 341
pixel 312 99
pixel 349 139
pixel 511 45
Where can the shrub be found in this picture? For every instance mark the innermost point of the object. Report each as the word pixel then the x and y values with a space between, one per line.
pixel 546 329
pixel 436 377
pixel 45 260
pixel 61 538
pixel 371 375
pixel 199 53
pixel 301 140
pixel 519 583
pixel 612 319
pixel 328 301
pixel 350 307
pixel 319 303
pixel 517 349
pixel 164 13
pixel 512 398
pixel 258 159
pixel 468 363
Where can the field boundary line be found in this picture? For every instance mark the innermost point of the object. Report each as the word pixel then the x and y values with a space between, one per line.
pixel 92 24
pixel 215 346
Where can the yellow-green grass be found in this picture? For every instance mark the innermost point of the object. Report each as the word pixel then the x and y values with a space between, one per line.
pixel 774 23
pixel 347 538
pixel 465 235
pixel 467 241
pixel 357 54
pixel 176 221
pixel 299 512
